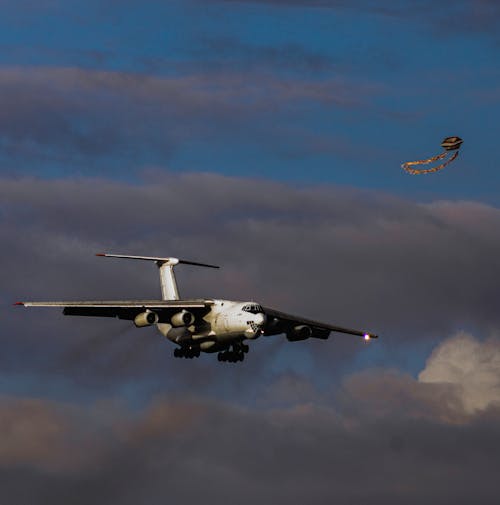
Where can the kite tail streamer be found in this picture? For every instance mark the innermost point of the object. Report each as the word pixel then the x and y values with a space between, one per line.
pixel 415 171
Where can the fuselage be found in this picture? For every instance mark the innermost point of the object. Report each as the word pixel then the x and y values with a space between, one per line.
pixel 227 323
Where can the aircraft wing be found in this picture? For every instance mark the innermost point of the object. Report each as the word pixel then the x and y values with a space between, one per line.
pixel 125 309
pixel 280 322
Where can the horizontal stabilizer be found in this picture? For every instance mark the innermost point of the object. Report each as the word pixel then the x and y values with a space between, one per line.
pixel 168 261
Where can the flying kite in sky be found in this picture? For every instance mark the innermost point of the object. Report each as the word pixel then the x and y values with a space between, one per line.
pixel 449 144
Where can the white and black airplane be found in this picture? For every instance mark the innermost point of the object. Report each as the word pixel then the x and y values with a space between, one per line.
pixel 200 325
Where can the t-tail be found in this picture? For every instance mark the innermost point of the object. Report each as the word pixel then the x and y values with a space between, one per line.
pixel 166 266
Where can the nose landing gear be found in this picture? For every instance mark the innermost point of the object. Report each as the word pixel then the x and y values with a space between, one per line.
pixel 186 352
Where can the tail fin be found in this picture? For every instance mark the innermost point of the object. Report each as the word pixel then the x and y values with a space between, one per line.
pixel 166 266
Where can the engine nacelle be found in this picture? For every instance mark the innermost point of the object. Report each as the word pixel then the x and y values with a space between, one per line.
pixel 182 318
pixel 301 332
pixel 146 318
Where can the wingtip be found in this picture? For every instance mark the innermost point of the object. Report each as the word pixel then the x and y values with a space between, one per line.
pixel 18 303
pixel 101 254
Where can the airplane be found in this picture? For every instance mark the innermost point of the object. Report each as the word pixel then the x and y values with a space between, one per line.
pixel 200 325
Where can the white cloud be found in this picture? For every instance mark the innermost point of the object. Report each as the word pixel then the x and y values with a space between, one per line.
pixel 470 364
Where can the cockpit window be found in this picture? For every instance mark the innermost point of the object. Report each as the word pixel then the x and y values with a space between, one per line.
pixel 253 308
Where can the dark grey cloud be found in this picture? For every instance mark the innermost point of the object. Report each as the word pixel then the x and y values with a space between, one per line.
pixel 109 416
pixel 412 272
pixel 390 439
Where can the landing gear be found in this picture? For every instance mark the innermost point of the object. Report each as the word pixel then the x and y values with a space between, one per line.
pixel 236 354
pixel 186 352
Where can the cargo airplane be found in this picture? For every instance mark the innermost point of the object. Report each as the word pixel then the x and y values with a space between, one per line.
pixel 201 325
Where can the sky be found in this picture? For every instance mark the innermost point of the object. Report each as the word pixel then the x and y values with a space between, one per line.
pixel 265 136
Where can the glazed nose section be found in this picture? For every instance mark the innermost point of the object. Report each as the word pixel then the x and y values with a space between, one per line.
pixel 259 319
pixel 255 326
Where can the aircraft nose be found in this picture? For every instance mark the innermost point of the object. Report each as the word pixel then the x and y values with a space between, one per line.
pixel 259 319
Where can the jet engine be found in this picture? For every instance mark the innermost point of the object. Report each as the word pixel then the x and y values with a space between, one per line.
pixel 301 332
pixel 182 318
pixel 146 318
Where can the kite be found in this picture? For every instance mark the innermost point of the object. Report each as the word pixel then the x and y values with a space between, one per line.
pixel 449 144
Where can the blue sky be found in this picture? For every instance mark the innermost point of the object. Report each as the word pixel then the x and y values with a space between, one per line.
pixel 338 95
pixel 265 136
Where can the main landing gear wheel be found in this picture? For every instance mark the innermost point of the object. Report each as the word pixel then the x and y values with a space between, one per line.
pixel 236 354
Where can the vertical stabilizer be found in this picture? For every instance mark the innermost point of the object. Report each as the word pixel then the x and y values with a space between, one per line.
pixel 166 266
pixel 168 283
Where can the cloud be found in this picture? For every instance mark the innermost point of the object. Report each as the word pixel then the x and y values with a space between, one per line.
pixel 62 113
pixel 394 433
pixel 385 393
pixel 355 258
pixel 460 382
pixel 469 364
pixel 43 434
